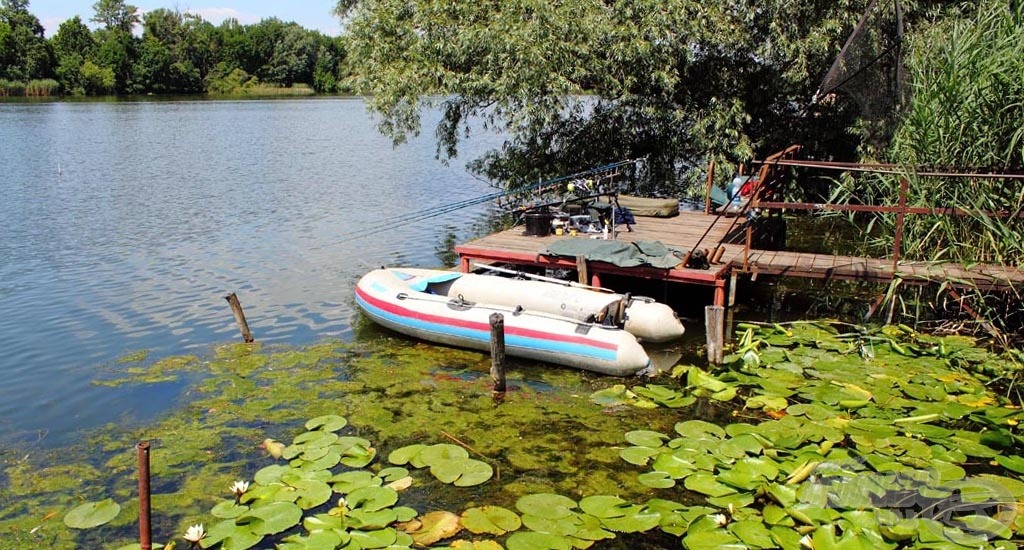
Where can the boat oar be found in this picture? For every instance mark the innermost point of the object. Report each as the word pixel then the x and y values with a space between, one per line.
pixel 542 278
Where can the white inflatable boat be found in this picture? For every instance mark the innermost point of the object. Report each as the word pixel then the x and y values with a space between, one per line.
pixel 445 307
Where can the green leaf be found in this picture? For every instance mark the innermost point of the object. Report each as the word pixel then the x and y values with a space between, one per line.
pixel 646 438
pixel 697 428
pixel 1011 462
pixel 712 540
pixel 407 455
pixel 526 540
pixel 272 517
pixel 547 505
pixel 372 498
pixel 462 472
pixel 494 520
pixel 227 509
pixel 92 514
pixel 327 423
pixel 752 533
pixel 656 480
pixel 707 484
pixel 380 538
pixel 230 536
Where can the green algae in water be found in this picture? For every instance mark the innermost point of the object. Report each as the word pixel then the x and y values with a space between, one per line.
pixel 546 437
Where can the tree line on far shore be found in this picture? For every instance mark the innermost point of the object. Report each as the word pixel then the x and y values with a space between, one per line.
pixel 175 53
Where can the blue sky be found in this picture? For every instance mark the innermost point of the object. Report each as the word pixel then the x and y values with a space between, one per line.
pixel 311 14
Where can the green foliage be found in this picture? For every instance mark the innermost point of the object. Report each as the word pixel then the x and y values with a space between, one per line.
pixel 116 15
pixel 964 111
pixel 583 83
pixel 42 88
pixel 97 80
pixel 72 45
pixel 24 52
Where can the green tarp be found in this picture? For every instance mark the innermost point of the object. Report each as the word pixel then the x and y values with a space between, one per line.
pixel 620 253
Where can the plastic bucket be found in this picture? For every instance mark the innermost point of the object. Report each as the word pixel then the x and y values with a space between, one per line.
pixel 538 223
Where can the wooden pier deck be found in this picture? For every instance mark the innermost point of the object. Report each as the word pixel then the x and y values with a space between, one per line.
pixel 684 232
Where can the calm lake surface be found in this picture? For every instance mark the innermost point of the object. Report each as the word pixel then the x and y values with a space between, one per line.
pixel 126 223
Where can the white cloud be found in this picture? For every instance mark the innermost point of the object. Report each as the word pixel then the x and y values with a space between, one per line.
pixel 218 15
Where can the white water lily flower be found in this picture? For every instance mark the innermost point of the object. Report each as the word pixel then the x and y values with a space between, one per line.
pixel 195 533
pixel 807 542
pixel 240 487
pixel 720 519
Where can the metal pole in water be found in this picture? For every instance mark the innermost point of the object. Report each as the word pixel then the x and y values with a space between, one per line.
pixel 236 308
pixel 145 523
pixel 498 352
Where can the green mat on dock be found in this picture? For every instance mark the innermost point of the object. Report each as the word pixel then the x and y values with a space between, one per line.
pixel 620 253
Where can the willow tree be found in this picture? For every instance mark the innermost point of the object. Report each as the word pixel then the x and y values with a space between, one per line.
pixel 576 83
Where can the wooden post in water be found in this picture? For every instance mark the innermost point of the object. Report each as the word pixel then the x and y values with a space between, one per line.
pixel 498 352
pixel 714 321
pixel 236 308
pixel 145 524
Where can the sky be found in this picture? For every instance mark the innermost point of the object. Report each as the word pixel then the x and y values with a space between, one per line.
pixel 311 14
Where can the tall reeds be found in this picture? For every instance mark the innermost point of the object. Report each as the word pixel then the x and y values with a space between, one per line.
pixel 35 88
pixel 966 113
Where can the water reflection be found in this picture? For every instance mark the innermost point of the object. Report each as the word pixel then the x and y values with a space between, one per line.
pixel 127 223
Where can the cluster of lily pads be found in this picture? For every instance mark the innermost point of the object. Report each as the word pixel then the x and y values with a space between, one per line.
pixel 834 436
pixel 358 508
pixel 863 439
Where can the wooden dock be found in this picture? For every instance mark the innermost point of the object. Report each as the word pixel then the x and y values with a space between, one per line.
pixel 684 233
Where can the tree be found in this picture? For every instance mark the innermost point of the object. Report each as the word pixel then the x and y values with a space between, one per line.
pixel 117 50
pixel 72 45
pixel 580 83
pixel 293 58
pixel 115 14
pixel 24 52
pixel 164 63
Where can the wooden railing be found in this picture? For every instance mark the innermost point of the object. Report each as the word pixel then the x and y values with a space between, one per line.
pixel 768 176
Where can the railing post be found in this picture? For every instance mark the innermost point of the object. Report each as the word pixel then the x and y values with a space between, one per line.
pixel 711 182
pixel 900 217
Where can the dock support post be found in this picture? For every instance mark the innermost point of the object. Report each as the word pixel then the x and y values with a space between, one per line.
pixel 720 292
pixel 498 352
pixel 732 289
pixel 581 269
pixel 243 325
pixel 714 321
pixel 145 522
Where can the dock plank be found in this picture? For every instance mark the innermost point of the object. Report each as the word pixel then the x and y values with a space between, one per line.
pixel 691 230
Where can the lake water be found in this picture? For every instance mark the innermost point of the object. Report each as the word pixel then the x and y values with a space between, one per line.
pixel 124 225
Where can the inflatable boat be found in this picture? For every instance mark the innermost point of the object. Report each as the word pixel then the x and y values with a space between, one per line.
pixel 430 305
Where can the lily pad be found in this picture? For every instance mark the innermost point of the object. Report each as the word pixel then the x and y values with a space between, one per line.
pixel 462 472
pixel 272 517
pixel 527 540
pixel 407 455
pixel 436 526
pixel 547 505
pixel 92 514
pixel 380 538
pixel 372 498
pixel 230 535
pixel 646 438
pixel 327 423
pixel 493 520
